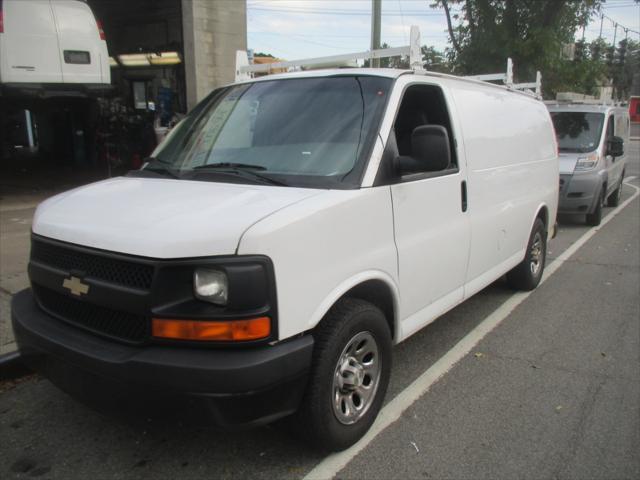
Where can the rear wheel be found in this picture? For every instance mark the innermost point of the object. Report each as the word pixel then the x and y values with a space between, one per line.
pixel 528 273
pixel 595 217
pixel 614 198
pixel 349 376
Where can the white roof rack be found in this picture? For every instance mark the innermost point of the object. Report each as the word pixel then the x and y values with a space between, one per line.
pixel 413 51
pixel 534 88
pixel 506 78
pixel 244 70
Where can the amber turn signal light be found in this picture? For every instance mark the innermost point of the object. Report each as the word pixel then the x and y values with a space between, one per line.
pixel 230 331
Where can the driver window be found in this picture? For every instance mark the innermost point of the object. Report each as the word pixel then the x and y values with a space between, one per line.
pixel 610 133
pixel 421 105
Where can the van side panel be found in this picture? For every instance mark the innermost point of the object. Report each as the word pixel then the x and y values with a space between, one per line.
pixel 321 246
pixel 621 129
pixel 29 44
pixel 512 170
pixel 78 35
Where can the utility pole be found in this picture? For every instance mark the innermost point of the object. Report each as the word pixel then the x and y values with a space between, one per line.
pixel 601 20
pixel 376 17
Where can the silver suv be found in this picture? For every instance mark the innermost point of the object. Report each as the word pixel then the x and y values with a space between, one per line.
pixel 591 144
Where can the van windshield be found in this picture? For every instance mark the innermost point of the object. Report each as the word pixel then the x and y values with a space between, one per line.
pixel 578 132
pixel 311 132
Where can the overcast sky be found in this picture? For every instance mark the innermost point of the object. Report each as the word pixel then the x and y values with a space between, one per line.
pixel 294 29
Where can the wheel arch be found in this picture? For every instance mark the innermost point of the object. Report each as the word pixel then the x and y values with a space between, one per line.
pixel 543 214
pixel 376 287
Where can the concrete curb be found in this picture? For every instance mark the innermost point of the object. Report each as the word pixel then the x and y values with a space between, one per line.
pixel 12 367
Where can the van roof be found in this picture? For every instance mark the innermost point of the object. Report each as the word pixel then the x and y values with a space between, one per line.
pixel 379 72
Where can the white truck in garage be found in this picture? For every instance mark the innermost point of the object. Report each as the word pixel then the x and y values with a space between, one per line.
pixel 51 43
pixel 49 49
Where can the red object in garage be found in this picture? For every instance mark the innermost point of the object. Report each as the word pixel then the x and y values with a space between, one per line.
pixel 634 109
pixel 136 161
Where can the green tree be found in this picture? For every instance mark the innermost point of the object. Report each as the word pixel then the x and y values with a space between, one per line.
pixel 531 32
pixel 598 49
pixel 435 60
pixel 390 62
pixel 432 59
pixel 583 75
pixel 625 63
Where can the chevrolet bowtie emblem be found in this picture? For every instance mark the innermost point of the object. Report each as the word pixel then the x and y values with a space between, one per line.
pixel 75 286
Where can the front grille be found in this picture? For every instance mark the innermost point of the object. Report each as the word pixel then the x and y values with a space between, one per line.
pixel 116 324
pixel 107 268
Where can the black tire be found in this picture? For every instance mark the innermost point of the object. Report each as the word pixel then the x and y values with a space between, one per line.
pixel 614 198
pixel 593 219
pixel 316 422
pixel 524 276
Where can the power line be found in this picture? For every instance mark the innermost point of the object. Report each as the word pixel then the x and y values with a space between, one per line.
pixel 359 13
pixel 325 35
pixel 294 36
pixel 620 6
pixel 616 24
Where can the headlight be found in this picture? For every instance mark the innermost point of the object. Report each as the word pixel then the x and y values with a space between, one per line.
pixel 587 163
pixel 211 285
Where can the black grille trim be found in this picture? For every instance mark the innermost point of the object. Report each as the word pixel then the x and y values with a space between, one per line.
pixel 170 293
pixel 103 267
pixel 103 321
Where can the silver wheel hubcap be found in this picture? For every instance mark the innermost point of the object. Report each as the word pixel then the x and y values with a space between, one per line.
pixel 356 378
pixel 537 254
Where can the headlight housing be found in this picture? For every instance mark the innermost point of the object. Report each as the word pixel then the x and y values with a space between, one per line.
pixel 211 285
pixel 587 163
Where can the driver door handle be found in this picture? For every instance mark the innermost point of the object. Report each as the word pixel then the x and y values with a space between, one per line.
pixel 463 194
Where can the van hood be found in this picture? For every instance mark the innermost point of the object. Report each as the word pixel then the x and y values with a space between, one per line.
pixel 568 162
pixel 161 218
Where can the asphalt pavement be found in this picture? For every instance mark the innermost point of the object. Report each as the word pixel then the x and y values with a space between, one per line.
pixel 552 392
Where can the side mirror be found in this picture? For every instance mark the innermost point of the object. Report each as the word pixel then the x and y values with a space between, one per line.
pixel 430 150
pixel 615 147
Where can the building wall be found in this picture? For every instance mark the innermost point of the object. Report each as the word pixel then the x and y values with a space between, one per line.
pixel 212 30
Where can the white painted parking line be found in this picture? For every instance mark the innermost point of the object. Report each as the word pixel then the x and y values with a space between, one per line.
pixel 333 463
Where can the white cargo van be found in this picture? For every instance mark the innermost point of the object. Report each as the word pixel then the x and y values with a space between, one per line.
pixel 288 232
pixel 51 42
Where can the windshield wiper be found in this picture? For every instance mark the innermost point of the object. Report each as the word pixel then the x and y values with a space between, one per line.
pixel 572 150
pixel 241 169
pixel 157 165
pixel 212 166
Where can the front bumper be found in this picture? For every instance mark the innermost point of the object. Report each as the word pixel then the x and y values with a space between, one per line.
pixel 232 387
pixel 579 192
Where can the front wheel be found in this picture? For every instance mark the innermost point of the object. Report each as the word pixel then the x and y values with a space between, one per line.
pixel 349 376
pixel 594 218
pixel 528 273
pixel 614 198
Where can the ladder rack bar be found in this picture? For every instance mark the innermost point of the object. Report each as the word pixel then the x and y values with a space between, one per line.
pixel 522 86
pixel 506 78
pixel 489 77
pixel 413 51
pixel 382 53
